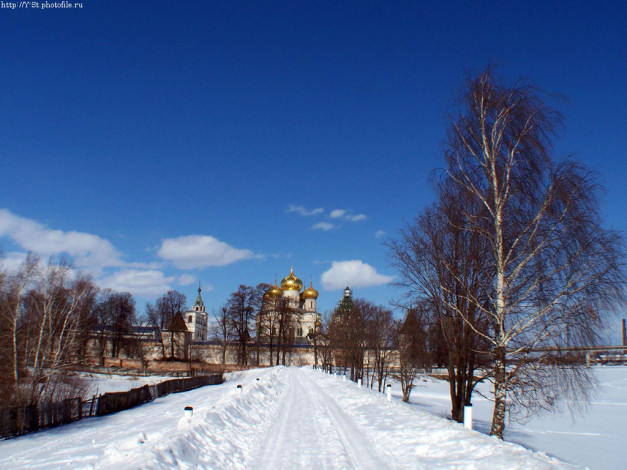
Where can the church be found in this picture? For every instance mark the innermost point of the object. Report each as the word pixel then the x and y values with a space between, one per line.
pixel 303 320
pixel 196 320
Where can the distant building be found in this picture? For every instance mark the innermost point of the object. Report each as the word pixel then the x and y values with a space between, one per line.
pixel 177 338
pixel 304 320
pixel 196 319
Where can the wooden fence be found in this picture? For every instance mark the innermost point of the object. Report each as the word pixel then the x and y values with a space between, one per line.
pixel 25 419
pixel 117 401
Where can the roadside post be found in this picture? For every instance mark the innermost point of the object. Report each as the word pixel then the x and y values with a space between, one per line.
pixel 468 416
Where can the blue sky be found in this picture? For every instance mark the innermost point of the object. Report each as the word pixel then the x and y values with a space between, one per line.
pixel 159 144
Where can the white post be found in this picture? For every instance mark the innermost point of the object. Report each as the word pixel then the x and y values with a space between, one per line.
pixel 344 378
pixel 468 416
pixel 389 392
pixel 239 388
pixel 359 382
pixel 189 412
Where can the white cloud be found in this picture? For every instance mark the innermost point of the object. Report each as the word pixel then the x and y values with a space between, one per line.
pixel 186 279
pixel 326 226
pixel 95 254
pixel 13 260
pixel 88 250
pixel 146 283
pixel 200 251
pixel 300 210
pixel 380 234
pixel 320 261
pixel 354 273
pixel 152 265
pixel 337 213
pixel 346 215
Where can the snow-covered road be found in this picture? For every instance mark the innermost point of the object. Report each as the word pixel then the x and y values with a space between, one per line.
pixel 289 418
pixel 311 430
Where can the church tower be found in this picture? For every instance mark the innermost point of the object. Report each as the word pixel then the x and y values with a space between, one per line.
pixel 199 305
pixel 196 319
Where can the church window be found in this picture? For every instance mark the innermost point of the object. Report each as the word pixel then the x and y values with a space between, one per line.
pixel 189 320
pixel 299 331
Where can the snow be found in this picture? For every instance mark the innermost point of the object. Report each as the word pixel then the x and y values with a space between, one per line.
pixel 104 383
pixel 593 439
pixel 289 418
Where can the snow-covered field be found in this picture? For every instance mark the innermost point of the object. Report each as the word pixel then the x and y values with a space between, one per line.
pixel 302 418
pixel 596 439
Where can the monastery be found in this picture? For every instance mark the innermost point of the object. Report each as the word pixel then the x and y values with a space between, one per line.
pixel 288 319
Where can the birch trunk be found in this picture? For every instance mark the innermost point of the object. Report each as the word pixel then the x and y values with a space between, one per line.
pixel 500 395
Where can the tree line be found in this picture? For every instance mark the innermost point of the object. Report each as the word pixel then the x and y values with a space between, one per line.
pixel 47 314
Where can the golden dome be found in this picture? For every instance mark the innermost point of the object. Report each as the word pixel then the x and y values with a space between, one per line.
pixel 291 282
pixel 310 292
pixel 274 291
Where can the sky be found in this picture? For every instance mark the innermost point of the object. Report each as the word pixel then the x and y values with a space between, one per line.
pixel 162 144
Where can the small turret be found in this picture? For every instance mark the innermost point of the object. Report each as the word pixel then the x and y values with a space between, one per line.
pixel 346 304
pixel 310 292
pixel 274 292
pixel 199 305
pixel 309 297
pixel 348 293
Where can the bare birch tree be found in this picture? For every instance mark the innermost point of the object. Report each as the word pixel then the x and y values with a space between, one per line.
pixel 553 266
pixel 14 287
pixel 54 317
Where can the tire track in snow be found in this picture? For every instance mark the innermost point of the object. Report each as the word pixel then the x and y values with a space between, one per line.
pixel 359 447
pixel 298 436
pixel 311 431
